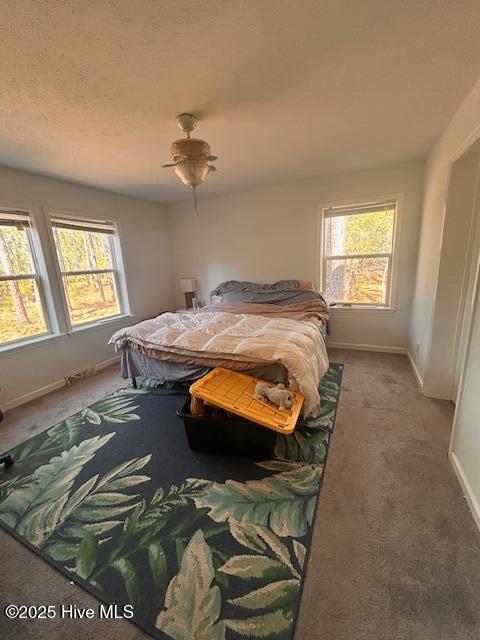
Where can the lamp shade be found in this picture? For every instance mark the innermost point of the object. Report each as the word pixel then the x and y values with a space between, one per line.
pixel 187 285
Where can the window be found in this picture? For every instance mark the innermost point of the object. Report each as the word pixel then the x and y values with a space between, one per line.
pixel 358 253
pixel 22 306
pixel 88 262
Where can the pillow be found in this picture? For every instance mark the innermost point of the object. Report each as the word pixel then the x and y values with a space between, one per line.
pixel 304 284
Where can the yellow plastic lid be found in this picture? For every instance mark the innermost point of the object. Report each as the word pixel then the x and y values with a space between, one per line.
pixel 234 392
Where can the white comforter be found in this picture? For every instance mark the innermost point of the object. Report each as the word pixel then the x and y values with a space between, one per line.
pixel 299 346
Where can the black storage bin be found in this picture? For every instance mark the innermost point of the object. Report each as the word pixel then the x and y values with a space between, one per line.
pixel 229 436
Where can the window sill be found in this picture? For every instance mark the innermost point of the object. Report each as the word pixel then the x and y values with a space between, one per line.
pixel 98 324
pixel 25 345
pixel 341 309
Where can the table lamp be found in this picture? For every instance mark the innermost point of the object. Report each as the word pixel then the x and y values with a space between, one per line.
pixel 187 285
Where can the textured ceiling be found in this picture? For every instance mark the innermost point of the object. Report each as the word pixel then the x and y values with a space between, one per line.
pixel 285 89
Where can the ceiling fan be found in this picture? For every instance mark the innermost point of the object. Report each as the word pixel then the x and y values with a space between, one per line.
pixel 190 157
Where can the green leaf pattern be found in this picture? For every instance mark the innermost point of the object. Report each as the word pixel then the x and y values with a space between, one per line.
pixel 36 511
pixel 193 603
pixel 284 501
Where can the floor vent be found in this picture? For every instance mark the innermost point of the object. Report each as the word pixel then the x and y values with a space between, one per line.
pixel 80 375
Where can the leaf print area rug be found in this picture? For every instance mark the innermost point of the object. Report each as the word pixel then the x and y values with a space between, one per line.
pixel 202 547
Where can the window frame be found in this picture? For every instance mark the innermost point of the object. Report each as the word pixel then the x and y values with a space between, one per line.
pixel 118 269
pixel 362 203
pixel 38 276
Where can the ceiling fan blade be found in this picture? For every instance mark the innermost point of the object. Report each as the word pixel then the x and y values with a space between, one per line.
pixel 173 164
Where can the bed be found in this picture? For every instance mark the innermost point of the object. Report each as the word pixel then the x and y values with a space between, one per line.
pixel 272 331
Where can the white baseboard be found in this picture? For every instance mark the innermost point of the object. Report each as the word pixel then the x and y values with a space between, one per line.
pixel 415 370
pixel 27 397
pixel 36 393
pixel 365 347
pixel 470 497
pixel 107 363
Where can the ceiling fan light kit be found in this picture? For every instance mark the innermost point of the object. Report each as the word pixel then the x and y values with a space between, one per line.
pixel 191 156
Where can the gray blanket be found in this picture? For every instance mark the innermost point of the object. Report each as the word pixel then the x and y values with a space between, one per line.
pixel 135 364
pixel 281 292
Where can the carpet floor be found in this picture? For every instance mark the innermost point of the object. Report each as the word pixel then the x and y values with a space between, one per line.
pixel 395 553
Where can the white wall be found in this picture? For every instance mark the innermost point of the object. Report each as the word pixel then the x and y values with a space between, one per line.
pixel 272 233
pixel 144 230
pixel 465 445
pixel 430 304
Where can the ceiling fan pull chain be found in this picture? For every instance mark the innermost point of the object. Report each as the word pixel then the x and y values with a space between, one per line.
pixel 195 204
